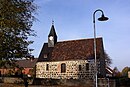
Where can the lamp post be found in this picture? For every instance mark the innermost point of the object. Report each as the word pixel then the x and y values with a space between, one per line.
pixel 102 18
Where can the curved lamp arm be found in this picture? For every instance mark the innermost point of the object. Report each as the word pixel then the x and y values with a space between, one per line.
pixel 102 18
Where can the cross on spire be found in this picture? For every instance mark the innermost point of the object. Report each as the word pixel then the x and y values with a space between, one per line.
pixel 52 22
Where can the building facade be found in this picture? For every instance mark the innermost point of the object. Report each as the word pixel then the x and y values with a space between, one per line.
pixel 128 74
pixel 76 69
pixel 24 66
pixel 73 59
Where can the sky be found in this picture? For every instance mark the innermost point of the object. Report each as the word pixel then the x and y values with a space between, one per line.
pixel 73 19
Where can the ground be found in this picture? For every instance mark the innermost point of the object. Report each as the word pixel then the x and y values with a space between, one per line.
pixel 17 85
pixel 21 85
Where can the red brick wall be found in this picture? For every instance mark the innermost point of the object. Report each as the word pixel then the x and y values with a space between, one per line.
pixel 6 71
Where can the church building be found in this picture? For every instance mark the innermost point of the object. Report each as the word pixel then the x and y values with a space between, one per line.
pixel 71 59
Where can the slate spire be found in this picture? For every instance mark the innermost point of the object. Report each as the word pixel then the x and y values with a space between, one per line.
pixel 52 31
pixel 52 37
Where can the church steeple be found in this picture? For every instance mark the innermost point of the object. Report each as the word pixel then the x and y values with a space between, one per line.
pixel 52 37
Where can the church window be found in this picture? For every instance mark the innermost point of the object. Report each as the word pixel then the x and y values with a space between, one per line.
pixel 45 55
pixel 87 66
pixel 47 67
pixel 80 67
pixel 63 68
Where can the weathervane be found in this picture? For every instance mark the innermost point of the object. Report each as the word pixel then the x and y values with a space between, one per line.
pixel 52 22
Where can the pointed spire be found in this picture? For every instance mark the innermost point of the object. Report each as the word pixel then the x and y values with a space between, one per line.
pixel 52 34
pixel 52 31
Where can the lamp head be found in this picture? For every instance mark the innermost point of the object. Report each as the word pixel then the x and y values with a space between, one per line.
pixel 103 18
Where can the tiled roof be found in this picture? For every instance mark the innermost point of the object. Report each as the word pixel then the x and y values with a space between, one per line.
pixel 72 50
pixel 45 50
pixel 27 63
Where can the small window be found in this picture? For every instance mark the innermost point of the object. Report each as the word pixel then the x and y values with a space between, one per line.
pixel 80 67
pixel 63 68
pixel 47 67
pixel 87 66
pixel 45 55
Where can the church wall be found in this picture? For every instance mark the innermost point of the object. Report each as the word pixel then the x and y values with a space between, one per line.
pixel 71 70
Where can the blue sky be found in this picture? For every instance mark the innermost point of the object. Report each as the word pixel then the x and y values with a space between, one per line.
pixel 73 20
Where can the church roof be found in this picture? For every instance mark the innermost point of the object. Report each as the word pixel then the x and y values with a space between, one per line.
pixel 27 63
pixel 71 50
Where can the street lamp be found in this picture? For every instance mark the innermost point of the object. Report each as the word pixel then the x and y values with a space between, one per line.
pixel 102 18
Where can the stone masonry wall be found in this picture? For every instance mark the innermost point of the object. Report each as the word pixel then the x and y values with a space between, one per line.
pixel 73 70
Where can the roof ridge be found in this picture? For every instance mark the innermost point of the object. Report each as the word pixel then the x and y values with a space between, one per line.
pixel 80 39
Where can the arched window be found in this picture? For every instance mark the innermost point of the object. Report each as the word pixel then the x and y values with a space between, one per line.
pixel 63 68
pixel 80 67
pixel 87 66
pixel 47 67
